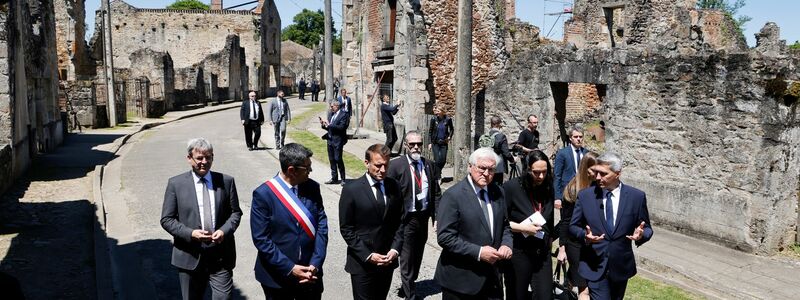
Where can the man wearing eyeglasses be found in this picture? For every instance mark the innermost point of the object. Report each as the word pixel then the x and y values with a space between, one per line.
pixel 290 229
pixel 472 228
pixel 201 211
pixel 419 190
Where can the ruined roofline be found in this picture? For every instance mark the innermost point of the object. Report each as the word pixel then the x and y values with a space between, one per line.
pixel 198 11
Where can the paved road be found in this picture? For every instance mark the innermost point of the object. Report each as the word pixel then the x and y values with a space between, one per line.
pixel 153 156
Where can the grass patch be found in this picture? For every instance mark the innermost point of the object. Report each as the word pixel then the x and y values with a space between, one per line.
pixel 313 110
pixel 642 288
pixel 792 252
pixel 352 164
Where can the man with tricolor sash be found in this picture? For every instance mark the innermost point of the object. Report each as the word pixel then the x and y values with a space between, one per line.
pixel 290 229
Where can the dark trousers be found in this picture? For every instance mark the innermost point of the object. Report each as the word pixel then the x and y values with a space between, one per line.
pixel 491 291
pixel 252 133
pixel 302 94
pixel 529 267
pixel 607 289
pixel 314 96
pixel 440 157
pixel 307 291
pixel 391 135
pixel 335 159
pixel 371 286
pixel 415 234
pixel 208 273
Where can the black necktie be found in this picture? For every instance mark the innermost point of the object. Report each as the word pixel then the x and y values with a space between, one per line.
pixel 418 183
pixel 578 155
pixel 485 206
pixel 609 213
pixel 379 196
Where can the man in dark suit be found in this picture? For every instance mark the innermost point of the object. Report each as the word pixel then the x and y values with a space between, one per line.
pixel 473 230
pixel 608 218
pixel 387 116
pixel 370 217
pixel 419 189
pixel 290 229
pixel 302 87
pixel 337 124
pixel 314 90
pixel 566 163
pixel 252 117
pixel 201 211
pixel 500 147
pixel 345 103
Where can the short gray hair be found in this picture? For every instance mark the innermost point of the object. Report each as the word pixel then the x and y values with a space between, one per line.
pixel 612 160
pixel 293 155
pixel 575 128
pixel 412 133
pixel 485 152
pixel 199 144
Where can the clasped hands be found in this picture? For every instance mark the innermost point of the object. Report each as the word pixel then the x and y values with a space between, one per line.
pixel 382 260
pixel 491 255
pixel 205 236
pixel 305 273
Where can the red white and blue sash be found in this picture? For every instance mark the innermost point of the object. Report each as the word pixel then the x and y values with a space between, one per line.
pixel 293 204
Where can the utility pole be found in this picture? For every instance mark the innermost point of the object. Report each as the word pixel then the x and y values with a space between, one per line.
pixel 328 59
pixel 108 64
pixel 462 139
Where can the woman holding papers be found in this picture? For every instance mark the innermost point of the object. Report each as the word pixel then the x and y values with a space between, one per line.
pixel 529 201
pixel 569 247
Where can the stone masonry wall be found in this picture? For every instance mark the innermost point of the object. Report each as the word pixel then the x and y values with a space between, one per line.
pixel 716 154
pixel 188 36
pixel 71 44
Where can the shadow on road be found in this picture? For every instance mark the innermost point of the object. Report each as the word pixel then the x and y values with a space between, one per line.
pixel 78 151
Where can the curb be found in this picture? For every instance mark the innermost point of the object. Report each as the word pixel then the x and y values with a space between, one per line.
pixel 658 272
pixel 104 278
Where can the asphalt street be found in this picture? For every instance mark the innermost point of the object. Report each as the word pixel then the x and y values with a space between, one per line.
pixel 151 157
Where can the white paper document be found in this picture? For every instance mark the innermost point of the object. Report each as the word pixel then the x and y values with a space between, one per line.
pixel 536 219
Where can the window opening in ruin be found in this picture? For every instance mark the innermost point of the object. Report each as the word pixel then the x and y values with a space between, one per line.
pixel 390 20
pixel 580 104
pixel 615 23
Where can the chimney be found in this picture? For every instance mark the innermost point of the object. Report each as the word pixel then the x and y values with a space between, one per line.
pixel 259 7
pixel 216 4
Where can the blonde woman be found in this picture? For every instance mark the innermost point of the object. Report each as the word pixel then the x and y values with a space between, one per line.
pixel 569 247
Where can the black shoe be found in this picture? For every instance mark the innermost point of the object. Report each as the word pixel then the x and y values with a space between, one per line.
pixel 250 148
pixel 401 293
pixel 332 181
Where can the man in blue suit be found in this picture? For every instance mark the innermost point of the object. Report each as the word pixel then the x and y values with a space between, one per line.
pixel 608 217
pixel 337 124
pixel 566 164
pixel 290 229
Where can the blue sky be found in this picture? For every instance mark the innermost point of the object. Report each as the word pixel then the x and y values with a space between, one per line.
pixel 782 12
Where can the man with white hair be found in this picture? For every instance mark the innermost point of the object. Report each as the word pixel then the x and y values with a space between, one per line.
pixel 608 218
pixel 201 211
pixel 474 233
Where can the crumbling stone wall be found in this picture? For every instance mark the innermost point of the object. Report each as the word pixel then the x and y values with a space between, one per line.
pixel 190 35
pixel 30 119
pixel 420 65
pixel 704 132
pixel 73 58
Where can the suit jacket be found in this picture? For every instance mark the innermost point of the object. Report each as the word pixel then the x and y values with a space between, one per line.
pixel 564 169
pixel 520 207
pixel 400 171
pixel 614 252
pixel 275 113
pixel 180 215
pixel 337 129
pixel 367 230
pixel 433 129
pixel 314 87
pixel 280 240
pixel 244 112
pixel 348 105
pixel 462 230
pixel 387 113
pixel 501 149
pixel 302 85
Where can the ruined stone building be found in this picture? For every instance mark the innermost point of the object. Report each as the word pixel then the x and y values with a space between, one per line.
pixel 407 49
pixel 30 116
pixel 707 127
pixel 301 62
pixel 217 53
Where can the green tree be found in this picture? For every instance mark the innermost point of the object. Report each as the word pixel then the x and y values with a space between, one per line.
pixel 308 29
pixel 337 44
pixel 730 9
pixel 188 4
pixel 796 45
